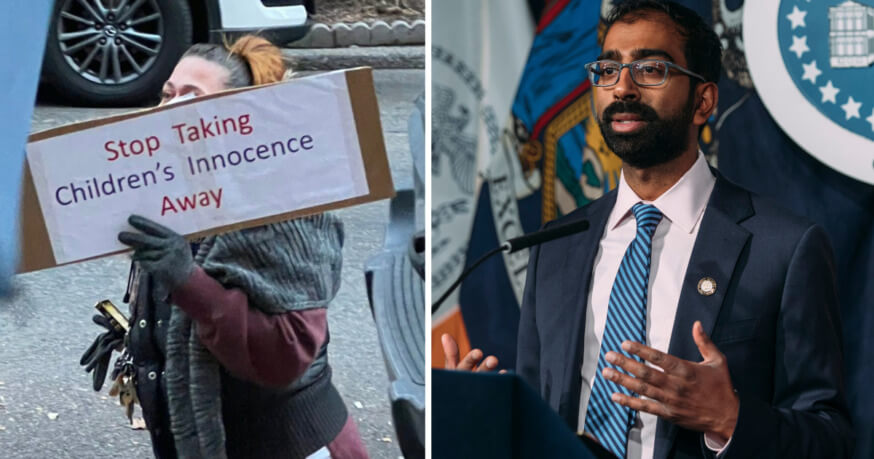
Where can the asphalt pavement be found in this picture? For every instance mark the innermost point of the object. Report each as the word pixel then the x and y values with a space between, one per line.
pixel 47 406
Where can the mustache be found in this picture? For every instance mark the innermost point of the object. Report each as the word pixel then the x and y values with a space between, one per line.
pixel 645 112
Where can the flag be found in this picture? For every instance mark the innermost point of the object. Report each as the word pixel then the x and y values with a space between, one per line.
pixel 477 56
pixel 552 159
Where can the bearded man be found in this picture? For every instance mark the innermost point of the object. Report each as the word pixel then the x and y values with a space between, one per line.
pixel 694 318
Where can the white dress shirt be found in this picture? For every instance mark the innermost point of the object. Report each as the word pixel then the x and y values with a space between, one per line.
pixel 683 206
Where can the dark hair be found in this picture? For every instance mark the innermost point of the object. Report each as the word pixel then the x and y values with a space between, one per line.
pixel 703 50
pixel 251 60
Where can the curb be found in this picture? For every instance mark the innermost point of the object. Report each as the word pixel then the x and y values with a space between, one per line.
pixel 377 33
pixel 378 57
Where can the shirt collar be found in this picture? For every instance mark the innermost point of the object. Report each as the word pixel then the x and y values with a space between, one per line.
pixel 683 204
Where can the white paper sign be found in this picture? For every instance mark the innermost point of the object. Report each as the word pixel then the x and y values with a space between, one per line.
pixel 199 166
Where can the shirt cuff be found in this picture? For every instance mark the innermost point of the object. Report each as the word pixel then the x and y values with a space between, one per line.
pixel 189 294
pixel 714 444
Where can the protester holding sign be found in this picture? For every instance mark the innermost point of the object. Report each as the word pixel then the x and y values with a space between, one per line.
pixel 227 349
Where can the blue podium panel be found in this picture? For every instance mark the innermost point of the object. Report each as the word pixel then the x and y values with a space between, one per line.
pixel 485 415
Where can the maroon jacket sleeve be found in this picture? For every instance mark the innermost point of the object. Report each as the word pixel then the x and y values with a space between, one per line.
pixel 272 350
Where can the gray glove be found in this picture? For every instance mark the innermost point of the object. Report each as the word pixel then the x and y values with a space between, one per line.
pixel 164 254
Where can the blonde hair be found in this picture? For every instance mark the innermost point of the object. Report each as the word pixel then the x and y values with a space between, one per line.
pixel 264 58
pixel 250 60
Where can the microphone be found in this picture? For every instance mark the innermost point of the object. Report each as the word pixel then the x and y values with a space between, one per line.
pixel 539 237
pixel 514 245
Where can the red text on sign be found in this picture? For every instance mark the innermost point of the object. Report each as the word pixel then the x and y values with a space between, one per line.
pixel 119 148
pixel 185 203
pixel 212 128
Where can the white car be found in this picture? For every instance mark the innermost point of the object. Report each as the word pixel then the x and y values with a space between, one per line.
pixel 120 52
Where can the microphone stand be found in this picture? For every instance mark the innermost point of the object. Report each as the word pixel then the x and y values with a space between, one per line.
pixel 514 245
pixel 504 247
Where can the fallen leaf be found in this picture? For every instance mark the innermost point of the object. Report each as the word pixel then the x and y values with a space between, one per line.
pixel 2 428
pixel 358 405
pixel 52 416
pixel 385 439
pixel 138 424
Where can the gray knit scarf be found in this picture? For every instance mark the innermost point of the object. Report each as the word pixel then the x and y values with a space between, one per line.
pixel 281 267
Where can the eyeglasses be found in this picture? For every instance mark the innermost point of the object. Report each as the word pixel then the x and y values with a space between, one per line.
pixel 646 72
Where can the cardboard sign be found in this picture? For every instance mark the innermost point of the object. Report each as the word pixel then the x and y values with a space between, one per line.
pixel 228 161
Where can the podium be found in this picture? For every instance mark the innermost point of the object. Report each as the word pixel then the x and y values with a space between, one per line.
pixel 488 415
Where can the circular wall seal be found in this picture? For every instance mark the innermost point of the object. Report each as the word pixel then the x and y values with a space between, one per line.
pixel 812 64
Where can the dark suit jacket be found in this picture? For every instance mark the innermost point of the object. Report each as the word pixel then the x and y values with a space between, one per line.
pixel 774 315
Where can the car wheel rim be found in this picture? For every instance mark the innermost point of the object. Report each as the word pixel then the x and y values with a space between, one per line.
pixel 110 42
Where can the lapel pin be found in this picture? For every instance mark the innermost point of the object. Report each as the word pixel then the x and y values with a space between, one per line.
pixel 707 286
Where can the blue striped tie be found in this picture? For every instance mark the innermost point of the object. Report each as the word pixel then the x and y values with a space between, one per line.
pixel 609 421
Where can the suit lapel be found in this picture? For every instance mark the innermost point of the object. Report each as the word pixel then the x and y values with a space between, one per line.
pixel 576 272
pixel 719 243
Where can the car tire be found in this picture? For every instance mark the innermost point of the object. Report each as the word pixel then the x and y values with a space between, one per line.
pixel 83 84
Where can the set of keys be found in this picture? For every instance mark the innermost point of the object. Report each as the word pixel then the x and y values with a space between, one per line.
pixel 123 384
pixel 123 372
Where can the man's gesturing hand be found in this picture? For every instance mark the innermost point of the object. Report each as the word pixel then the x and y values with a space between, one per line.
pixel 697 396
pixel 470 362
